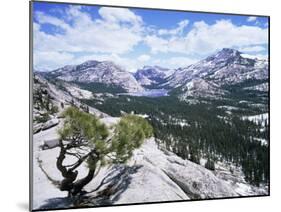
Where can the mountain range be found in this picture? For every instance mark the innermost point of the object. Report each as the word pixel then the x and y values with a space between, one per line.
pixel 206 78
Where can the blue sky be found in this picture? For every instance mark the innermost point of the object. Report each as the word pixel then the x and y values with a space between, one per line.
pixel 71 34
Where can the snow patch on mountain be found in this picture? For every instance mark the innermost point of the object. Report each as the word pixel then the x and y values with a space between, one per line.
pixel 260 118
pixel 201 88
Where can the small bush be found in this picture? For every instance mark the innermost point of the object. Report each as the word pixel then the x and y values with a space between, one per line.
pixel 210 165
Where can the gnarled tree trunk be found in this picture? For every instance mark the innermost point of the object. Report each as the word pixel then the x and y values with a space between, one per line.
pixel 70 174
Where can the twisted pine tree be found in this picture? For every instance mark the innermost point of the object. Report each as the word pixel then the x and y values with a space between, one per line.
pixel 86 139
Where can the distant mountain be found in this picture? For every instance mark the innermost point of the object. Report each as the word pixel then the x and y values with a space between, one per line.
pixel 206 78
pixel 105 72
pixel 152 75
pixel 226 67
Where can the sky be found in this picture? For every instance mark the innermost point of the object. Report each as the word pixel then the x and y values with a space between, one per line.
pixel 67 34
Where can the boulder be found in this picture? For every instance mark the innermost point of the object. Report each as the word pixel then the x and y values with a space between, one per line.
pixel 49 144
pixel 37 128
pixel 51 123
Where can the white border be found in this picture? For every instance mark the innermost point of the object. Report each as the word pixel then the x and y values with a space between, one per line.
pixel 14 17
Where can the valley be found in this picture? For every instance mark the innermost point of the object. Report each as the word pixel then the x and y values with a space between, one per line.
pixel 211 117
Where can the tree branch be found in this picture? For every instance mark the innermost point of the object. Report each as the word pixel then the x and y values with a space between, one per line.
pixel 77 155
pixel 81 160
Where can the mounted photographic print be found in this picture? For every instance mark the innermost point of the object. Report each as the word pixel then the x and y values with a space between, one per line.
pixel 136 105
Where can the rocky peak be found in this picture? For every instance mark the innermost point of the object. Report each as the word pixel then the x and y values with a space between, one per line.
pixel 87 64
pixel 230 52
pixel 226 55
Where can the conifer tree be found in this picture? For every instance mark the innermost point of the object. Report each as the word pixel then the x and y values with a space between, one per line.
pixel 85 138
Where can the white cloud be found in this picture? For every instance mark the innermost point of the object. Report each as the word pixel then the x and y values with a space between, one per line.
pixel 87 35
pixel 144 58
pixel 223 33
pixel 252 49
pixel 173 44
pixel 252 18
pixel 175 62
pixel 181 61
pixel 182 24
pixel 179 30
pixel 49 60
pixel 254 56
pixel 204 39
pixel 118 31
pixel 156 43
pixel 114 15
pixel 46 19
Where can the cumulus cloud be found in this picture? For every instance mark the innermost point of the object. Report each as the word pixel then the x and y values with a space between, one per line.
pixel 51 60
pixel 114 15
pixel 144 58
pixel 223 33
pixel 101 35
pixel 46 19
pixel 78 37
pixel 156 44
pixel 256 56
pixel 176 31
pixel 251 19
pixel 206 38
pixel 173 44
pixel 105 35
pixel 175 62
pixel 252 49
